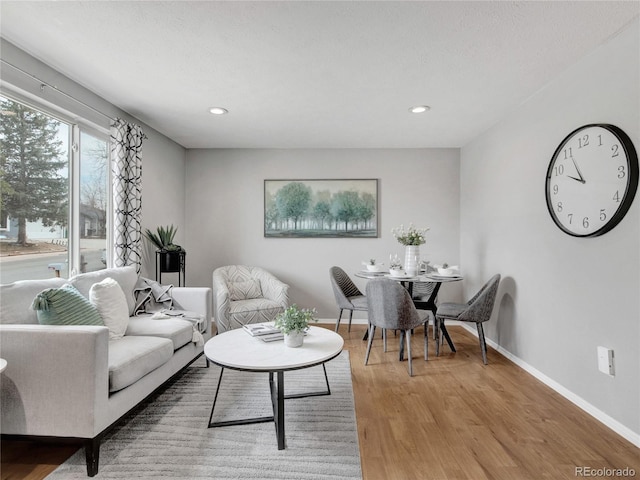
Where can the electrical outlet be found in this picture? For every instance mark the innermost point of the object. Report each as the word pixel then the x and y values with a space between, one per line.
pixel 605 361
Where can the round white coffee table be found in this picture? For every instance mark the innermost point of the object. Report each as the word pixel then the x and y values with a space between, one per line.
pixel 237 350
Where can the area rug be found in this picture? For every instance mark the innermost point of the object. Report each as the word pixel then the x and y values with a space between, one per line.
pixel 168 438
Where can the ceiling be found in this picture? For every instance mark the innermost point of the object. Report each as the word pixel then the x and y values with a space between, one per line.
pixel 317 74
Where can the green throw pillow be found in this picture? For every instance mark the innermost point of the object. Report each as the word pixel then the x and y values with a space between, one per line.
pixel 65 306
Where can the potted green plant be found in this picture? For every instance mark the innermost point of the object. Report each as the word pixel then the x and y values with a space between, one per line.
pixel 293 323
pixel 170 253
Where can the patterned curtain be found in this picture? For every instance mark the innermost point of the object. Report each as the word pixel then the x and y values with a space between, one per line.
pixel 126 165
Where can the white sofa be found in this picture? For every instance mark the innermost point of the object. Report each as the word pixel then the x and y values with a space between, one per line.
pixel 73 381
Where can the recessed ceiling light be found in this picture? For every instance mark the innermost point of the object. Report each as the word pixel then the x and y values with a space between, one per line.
pixel 420 109
pixel 218 110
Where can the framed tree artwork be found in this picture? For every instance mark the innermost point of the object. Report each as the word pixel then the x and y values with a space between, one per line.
pixel 321 208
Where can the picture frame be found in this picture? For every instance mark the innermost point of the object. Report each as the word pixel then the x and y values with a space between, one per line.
pixel 329 208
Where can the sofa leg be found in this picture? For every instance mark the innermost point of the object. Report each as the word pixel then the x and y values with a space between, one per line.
pixel 92 454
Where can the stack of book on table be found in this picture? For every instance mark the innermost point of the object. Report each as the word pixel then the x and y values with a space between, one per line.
pixel 264 331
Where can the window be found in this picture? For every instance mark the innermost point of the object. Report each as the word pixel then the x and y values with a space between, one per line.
pixel 53 196
pixel 93 206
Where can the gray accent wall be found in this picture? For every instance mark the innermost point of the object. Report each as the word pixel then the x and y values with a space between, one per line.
pixel 561 297
pixel 224 200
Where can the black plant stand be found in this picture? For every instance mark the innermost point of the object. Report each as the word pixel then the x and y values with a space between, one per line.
pixel 171 262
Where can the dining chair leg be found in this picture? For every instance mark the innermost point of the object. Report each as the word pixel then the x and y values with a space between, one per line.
pixel 483 343
pixel 384 340
pixel 408 337
pixel 436 334
pixel 403 334
pixel 350 318
pixel 338 321
pixel 433 315
pixel 426 340
pixel 372 332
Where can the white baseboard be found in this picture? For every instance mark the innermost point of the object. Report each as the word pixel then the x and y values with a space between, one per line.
pixel 599 415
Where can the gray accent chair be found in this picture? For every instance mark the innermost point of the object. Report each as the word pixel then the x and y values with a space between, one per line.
pixel 477 310
pixel 246 294
pixel 348 296
pixel 391 308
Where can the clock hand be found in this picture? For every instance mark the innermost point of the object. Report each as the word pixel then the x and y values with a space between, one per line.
pixel 581 179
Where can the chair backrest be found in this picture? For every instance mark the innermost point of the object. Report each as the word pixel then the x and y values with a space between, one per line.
pixel 481 304
pixel 270 286
pixel 236 273
pixel 390 305
pixel 423 290
pixel 343 287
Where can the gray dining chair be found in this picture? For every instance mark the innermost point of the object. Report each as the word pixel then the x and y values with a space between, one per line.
pixel 391 308
pixel 348 296
pixel 478 310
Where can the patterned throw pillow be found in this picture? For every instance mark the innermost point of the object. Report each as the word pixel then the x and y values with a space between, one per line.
pixel 65 306
pixel 245 290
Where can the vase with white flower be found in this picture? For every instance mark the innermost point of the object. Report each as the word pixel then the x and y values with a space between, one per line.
pixel 411 238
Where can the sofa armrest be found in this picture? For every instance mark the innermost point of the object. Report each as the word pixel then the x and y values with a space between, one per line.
pixel 56 381
pixel 194 299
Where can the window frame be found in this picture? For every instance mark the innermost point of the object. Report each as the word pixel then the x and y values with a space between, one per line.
pixel 77 126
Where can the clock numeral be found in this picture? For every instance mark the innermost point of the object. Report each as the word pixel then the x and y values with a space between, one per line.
pixel 614 149
pixel 568 153
pixel 559 206
pixel 585 222
pixel 555 189
pixel 621 172
pixel 570 215
pixel 583 142
pixel 603 215
pixel 559 170
pixel 599 140
pixel 616 197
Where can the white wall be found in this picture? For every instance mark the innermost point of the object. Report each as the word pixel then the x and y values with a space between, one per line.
pixel 163 160
pixel 225 213
pixel 560 296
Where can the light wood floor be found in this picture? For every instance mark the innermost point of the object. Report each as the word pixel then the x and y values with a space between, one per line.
pixel 455 419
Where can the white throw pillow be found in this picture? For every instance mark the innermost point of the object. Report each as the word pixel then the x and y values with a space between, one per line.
pixel 111 302
pixel 125 276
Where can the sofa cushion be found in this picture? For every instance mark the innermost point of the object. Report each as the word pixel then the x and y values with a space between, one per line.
pixel 65 306
pixel 16 299
pixel 132 357
pixel 125 276
pixel 245 290
pixel 180 332
pixel 109 299
pixel 257 304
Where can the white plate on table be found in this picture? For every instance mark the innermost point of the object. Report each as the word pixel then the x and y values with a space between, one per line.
pixel 374 274
pixel 443 277
pixel 400 277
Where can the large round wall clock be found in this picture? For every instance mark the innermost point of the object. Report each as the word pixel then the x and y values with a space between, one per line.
pixel 592 180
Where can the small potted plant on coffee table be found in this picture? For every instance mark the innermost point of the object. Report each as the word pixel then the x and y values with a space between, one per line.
pixel 293 323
